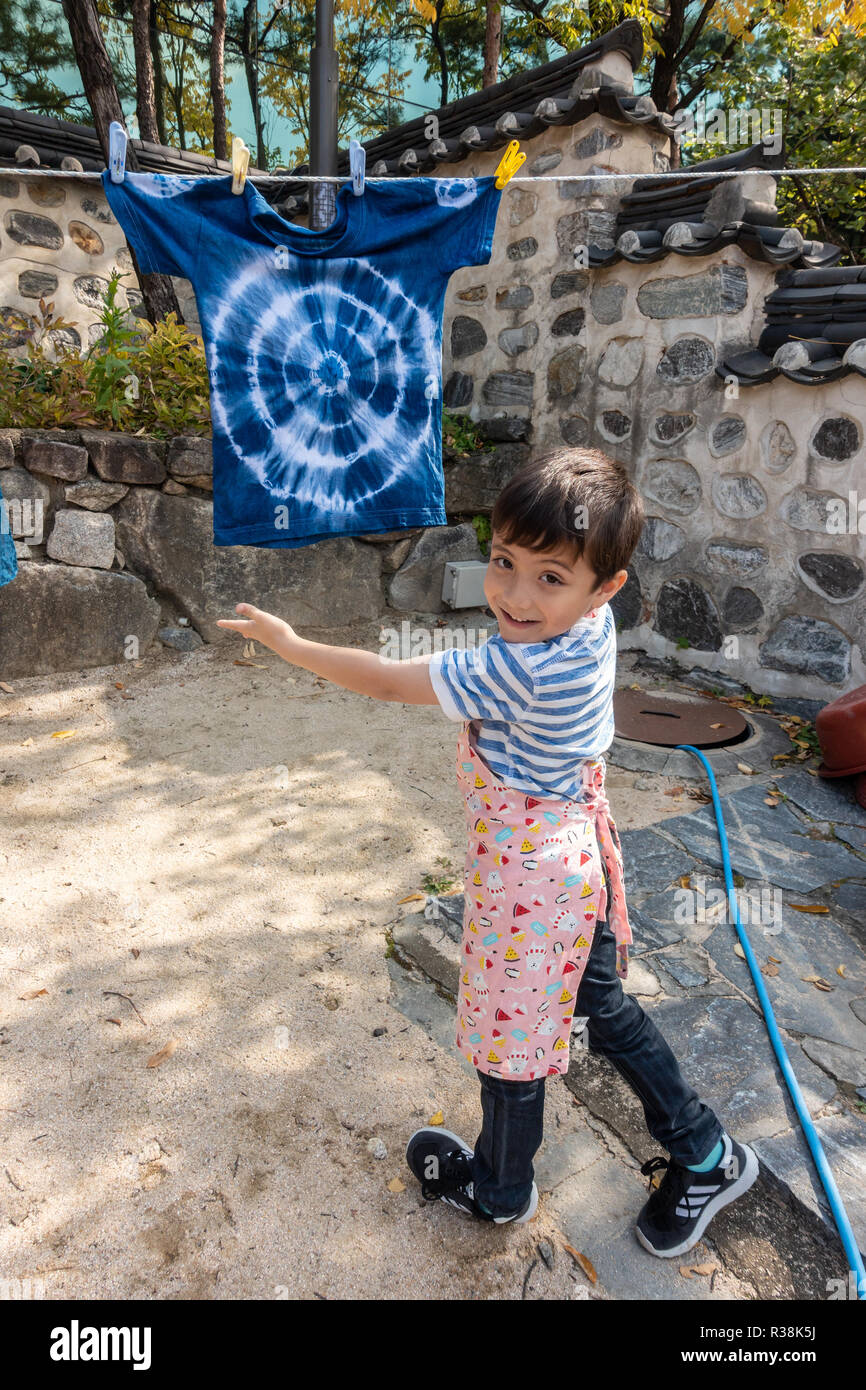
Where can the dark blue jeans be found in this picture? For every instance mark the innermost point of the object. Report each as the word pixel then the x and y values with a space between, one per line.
pixel 618 1028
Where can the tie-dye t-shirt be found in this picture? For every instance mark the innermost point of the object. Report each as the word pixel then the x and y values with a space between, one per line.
pixel 324 348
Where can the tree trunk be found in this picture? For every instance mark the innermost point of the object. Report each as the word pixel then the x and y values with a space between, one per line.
pixel 217 80
pixel 492 44
pixel 98 81
pixel 443 57
pixel 145 96
pixel 249 43
pixel 158 72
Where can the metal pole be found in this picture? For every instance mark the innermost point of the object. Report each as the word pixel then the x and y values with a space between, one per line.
pixel 324 80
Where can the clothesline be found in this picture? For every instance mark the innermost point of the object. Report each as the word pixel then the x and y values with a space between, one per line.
pixel 94 176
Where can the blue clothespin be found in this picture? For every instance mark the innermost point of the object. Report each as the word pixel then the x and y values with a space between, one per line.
pixel 117 138
pixel 357 165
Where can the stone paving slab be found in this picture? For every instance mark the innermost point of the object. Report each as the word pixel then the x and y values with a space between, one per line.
pixel 596 1209
pixel 778 850
pixel 651 862
pixel 790 1158
pixel 823 798
pixel 805 946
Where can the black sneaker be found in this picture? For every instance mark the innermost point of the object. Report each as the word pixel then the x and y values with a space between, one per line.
pixel 442 1163
pixel 682 1206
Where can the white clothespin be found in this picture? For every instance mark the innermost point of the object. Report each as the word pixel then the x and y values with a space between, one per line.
pixel 357 166
pixel 117 138
pixel 240 164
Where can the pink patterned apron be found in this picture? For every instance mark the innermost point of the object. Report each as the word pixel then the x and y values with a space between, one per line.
pixel 534 889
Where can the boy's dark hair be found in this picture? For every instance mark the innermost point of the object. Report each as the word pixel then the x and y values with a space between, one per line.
pixel 539 508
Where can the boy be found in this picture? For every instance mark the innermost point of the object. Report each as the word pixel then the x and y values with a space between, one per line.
pixel 536 705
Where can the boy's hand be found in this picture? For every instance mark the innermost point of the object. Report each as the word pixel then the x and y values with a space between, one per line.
pixel 262 627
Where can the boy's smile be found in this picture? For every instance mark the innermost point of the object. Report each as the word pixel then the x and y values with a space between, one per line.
pixel 536 595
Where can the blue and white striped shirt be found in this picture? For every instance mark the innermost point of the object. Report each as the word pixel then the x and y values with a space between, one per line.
pixel 542 707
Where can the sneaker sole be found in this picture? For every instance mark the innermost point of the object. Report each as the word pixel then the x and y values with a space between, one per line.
pixel 528 1215
pixel 715 1205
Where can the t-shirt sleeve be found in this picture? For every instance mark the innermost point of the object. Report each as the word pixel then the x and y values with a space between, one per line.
pixel 161 218
pixel 486 682
pixel 465 216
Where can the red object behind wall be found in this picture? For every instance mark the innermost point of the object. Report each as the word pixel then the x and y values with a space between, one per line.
pixel 841 730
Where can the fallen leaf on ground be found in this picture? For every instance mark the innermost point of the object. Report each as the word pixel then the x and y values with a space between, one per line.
pixel 840 970
pixel 809 907
pixel 395 1185
pixel 437 1119
pixel 770 801
pixel 64 733
pixel 818 982
pixel 738 950
pixel 674 791
pixel 7 688
pixel 114 1020
pixel 257 665
pixel 413 898
pixel 163 1055
pixel 744 767
pixel 135 952
pixel 585 1264
pixel 770 968
pixel 704 1269
pixel 33 994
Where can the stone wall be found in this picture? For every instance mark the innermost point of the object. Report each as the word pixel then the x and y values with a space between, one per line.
pixel 114 538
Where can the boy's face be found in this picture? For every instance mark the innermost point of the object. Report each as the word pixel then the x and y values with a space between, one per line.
pixel 538 594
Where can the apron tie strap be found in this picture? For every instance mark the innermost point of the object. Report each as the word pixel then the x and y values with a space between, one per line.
pixel 608 838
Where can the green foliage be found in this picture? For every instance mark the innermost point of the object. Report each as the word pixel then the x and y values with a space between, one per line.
pixel 483 532
pixel 439 883
pixel 134 377
pixel 460 434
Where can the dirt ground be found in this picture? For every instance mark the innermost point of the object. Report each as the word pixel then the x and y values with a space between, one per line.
pixel 249 934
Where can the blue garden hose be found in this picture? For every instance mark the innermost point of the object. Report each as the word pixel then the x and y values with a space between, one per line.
pixel 843 1225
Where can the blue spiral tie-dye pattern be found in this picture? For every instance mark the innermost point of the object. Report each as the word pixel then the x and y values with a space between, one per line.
pixel 324 349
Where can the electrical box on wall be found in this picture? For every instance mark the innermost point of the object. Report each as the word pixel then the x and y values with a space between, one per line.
pixel 463 584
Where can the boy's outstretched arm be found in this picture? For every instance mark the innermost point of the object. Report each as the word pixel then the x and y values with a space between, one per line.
pixel 367 673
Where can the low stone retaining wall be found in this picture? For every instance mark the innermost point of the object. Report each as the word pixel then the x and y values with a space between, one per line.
pixel 114 537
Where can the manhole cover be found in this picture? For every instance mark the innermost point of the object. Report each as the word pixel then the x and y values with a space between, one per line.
pixel 675 718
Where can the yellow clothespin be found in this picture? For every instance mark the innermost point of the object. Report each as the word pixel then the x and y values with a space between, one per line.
pixel 240 164
pixel 509 164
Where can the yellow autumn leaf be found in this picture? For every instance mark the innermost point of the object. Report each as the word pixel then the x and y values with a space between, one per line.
pixel 65 733
pixel 437 1119
pixel 809 907
pixel 413 898
pixel 395 1185
pixel 840 970
pixel 586 1265
pixel 164 1053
